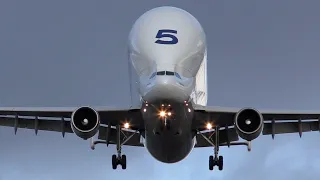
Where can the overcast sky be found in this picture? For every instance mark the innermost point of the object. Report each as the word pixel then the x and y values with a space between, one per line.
pixel 263 54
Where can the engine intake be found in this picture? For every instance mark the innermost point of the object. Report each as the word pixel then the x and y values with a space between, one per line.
pixel 85 122
pixel 248 123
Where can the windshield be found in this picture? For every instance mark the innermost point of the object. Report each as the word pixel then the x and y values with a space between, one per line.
pixel 162 73
pixel 169 73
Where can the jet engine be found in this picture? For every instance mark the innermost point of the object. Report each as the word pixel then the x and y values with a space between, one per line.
pixel 248 123
pixel 85 122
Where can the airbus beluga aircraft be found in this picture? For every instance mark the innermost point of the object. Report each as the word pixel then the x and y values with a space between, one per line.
pixel 167 50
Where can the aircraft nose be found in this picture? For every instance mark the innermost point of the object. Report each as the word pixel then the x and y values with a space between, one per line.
pixel 165 81
pixel 166 87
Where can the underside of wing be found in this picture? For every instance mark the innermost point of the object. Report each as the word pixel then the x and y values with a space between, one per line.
pixel 85 121
pixel 249 123
pixel 226 136
pixel 129 138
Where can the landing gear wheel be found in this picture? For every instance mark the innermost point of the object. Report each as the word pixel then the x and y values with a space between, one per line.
pixel 114 162
pixel 216 162
pixel 220 163
pixel 211 163
pixel 124 161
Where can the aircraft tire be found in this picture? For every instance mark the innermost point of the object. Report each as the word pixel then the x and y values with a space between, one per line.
pixel 124 161
pixel 211 163
pixel 114 161
pixel 220 163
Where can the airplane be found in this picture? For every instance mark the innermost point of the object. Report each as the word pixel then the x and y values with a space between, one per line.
pixel 167 50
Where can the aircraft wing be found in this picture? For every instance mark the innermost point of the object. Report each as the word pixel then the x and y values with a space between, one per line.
pixel 275 121
pixel 57 119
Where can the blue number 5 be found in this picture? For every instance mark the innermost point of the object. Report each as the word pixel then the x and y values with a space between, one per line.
pixel 166 33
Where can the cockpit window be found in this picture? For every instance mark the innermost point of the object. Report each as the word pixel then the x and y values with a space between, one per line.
pixel 177 75
pixel 161 73
pixel 169 73
pixel 153 75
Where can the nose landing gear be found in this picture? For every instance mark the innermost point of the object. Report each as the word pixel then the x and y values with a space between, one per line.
pixel 165 124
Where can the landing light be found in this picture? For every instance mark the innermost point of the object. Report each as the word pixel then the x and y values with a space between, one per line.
pixel 169 113
pixel 162 113
pixel 209 126
pixel 144 110
pixel 126 125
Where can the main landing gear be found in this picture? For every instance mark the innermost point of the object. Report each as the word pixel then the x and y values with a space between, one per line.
pixel 119 159
pixel 217 160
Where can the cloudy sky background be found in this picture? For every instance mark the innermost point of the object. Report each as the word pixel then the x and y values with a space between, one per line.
pixel 263 54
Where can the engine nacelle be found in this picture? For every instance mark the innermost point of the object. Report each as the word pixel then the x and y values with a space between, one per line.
pixel 85 122
pixel 248 123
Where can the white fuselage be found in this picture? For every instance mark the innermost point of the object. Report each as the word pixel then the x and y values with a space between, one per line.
pixel 167 49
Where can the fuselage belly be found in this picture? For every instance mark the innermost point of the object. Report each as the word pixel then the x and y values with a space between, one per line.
pixel 169 139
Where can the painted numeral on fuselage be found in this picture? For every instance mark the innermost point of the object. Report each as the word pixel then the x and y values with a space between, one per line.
pixel 166 36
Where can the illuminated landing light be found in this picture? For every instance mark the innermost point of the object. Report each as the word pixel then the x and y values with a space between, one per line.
pixel 144 110
pixel 209 126
pixel 162 113
pixel 162 105
pixel 169 105
pixel 126 125
pixel 146 104
pixel 169 114
pixel 248 122
pixel 189 110
pixel 186 104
